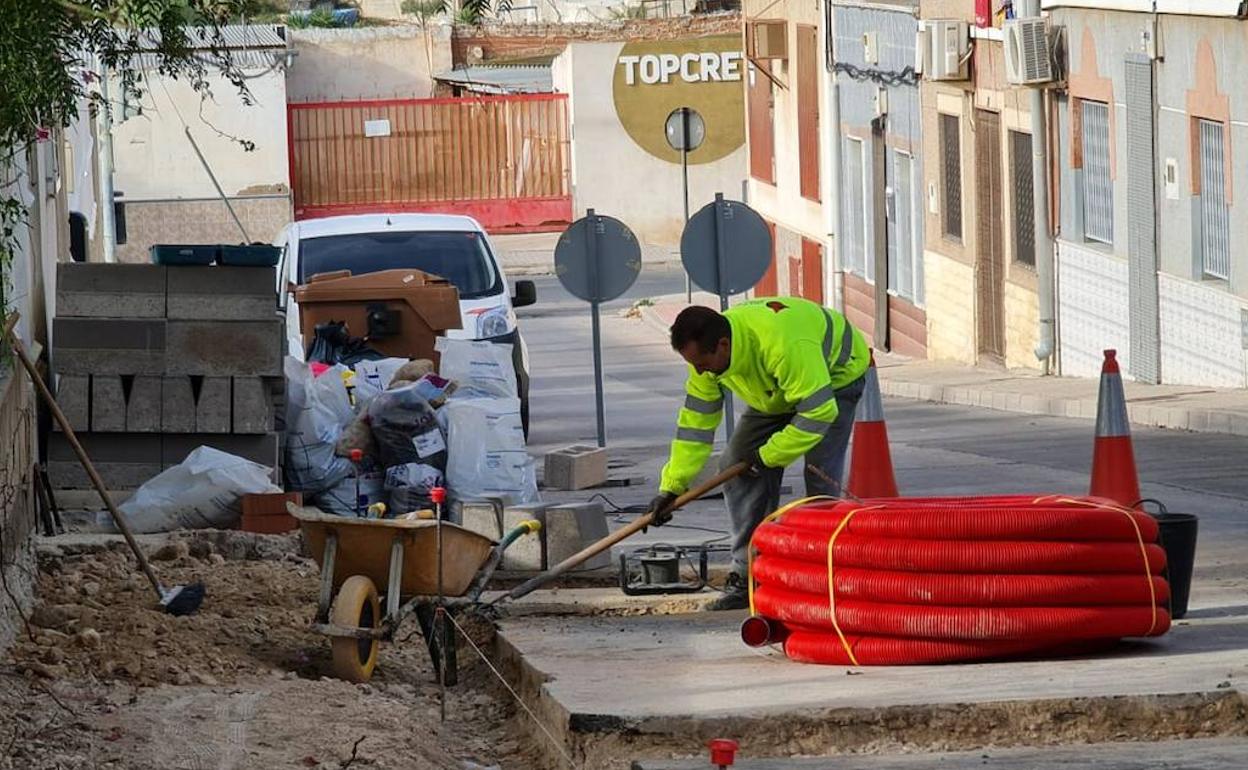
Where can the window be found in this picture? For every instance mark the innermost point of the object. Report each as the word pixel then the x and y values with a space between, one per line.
pixel 854 209
pixel 1098 186
pixel 1024 208
pixel 1215 239
pixel 951 175
pixel 460 257
pixel 903 267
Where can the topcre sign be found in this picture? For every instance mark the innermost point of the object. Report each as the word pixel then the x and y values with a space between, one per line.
pixel 694 67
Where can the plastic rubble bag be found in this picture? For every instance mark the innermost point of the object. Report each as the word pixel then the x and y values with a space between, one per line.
pixel 479 368
pixel 373 377
pixel 486 451
pixel 413 370
pixel 357 435
pixel 342 500
pixel 318 409
pixel 405 428
pixel 203 491
pixel 409 486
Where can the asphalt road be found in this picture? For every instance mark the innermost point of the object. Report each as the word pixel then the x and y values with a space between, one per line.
pixel 937 448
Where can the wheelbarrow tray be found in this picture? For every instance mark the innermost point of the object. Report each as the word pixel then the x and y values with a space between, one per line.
pixel 364 549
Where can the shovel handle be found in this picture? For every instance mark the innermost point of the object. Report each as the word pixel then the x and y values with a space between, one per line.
pixel 641 523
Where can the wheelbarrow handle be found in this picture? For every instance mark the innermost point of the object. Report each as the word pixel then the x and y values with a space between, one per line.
pixel 605 543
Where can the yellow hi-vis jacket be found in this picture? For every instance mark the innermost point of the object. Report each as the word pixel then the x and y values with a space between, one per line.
pixel 789 356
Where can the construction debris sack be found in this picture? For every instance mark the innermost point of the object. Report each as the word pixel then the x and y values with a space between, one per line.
pixel 373 377
pixel 409 486
pixel 317 411
pixel 344 499
pixel 487 455
pixel 204 491
pixel 405 428
pixel 479 368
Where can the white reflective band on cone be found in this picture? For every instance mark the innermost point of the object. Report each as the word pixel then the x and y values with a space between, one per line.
pixel 870 405
pixel 1111 408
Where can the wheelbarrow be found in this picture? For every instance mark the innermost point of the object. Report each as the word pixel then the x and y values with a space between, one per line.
pixel 399 556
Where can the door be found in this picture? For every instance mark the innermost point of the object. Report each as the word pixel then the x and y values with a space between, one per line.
pixel 1142 221
pixel 769 285
pixel 990 238
pixel 812 270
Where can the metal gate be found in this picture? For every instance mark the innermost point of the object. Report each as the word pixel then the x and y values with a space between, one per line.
pixel 1142 222
pixel 989 240
pixel 1215 247
pixel 501 159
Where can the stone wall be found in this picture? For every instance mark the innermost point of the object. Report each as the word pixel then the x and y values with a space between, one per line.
pixel 1022 316
pixel 950 309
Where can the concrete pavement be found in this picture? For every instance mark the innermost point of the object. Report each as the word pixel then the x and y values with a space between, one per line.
pixel 1025 391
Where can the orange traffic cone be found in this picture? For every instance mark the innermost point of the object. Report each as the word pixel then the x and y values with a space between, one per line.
pixel 871 465
pixel 1113 459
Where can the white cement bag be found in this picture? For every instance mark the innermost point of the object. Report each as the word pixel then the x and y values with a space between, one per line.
pixel 372 378
pixel 203 491
pixel 486 451
pixel 478 368
pixel 317 411
pixel 341 498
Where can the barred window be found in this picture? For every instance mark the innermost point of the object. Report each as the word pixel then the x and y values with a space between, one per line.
pixel 1098 186
pixel 1024 209
pixel 951 174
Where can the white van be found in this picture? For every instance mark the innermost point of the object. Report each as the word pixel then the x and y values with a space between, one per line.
pixel 453 247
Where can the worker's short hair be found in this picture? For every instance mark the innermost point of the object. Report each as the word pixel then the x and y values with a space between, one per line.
pixel 701 325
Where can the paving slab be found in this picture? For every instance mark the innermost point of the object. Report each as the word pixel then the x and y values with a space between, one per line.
pixel 655 685
pixel 1196 754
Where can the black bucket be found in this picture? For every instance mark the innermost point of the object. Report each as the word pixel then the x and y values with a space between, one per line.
pixel 1178 538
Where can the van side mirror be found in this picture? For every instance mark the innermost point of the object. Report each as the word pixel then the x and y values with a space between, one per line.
pixel 526 294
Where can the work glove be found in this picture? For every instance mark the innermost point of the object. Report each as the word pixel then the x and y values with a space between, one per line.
pixel 659 507
pixel 754 465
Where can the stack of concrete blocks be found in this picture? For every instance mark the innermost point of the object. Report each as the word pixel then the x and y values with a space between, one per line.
pixel 152 362
pixel 566 529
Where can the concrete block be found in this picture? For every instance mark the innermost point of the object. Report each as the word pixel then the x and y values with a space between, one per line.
pixel 212 407
pixel 108 346
pixel 251 406
pixel 258 449
pixel 576 467
pixel 177 405
pixel 123 460
pixel 528 553
pixel 222 293
pixel 143 406
pixel 73 396
pixel 100 290
pixel 108 404
pixel 571 527
pixel 481 516
pixel 226 348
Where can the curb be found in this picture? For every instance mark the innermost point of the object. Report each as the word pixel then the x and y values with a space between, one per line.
pixel 1140 414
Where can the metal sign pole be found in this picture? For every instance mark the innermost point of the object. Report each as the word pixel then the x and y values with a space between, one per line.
pixel 721 288
pixel 684 175
pixel 591 250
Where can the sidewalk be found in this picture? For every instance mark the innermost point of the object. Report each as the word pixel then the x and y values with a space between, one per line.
pixel 1179 407
pixel 534 254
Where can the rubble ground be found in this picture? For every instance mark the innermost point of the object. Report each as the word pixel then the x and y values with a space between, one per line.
pixel 102 677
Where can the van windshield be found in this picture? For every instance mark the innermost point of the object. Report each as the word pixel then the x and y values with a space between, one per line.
pixel 460 257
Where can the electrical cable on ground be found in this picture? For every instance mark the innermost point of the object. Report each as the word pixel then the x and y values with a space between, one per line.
pixel 514 694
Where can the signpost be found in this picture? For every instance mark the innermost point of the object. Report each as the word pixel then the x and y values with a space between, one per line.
pixel 597 259
pixel 685 131
pixel 726 249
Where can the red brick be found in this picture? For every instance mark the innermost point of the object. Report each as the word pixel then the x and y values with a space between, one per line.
pixel 266 513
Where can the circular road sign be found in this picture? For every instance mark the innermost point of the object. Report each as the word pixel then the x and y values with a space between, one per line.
pixel 729 236
pixel 675 131
pixel 597 258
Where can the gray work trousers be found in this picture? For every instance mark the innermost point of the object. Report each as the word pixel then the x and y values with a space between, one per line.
pixel 750 500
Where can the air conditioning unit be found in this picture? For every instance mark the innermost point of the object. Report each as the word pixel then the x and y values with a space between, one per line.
pixel 945 47
pixel 1028 58
pixel 771 40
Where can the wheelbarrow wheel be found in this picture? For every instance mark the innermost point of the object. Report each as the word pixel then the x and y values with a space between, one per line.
pixel 355 606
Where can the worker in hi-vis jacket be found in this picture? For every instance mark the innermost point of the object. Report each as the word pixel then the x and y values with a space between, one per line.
pixel 799 368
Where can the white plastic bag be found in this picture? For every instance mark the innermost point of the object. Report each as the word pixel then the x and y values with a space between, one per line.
pixel 372 378
pixel 203 491
pixel 486 452
pixel 478 368
pixel 317 411
pixel 341 499
pixel 409 486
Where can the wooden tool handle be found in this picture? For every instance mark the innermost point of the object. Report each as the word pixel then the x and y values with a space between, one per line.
pixel 594 549
pixel 61 420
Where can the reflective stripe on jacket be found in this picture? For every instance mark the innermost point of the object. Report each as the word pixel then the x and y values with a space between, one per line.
pixel 789 356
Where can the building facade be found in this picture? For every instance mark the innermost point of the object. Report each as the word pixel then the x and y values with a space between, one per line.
pixel 1152 190
pixel 880 237
pixel 979 255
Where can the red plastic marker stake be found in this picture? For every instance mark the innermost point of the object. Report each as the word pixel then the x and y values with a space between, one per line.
pixel 357 455
pixel 723 752
pixel 438 495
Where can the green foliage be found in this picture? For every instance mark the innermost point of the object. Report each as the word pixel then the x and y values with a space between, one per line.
pixel 423 10
pixel 50 49
pixel 318 18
